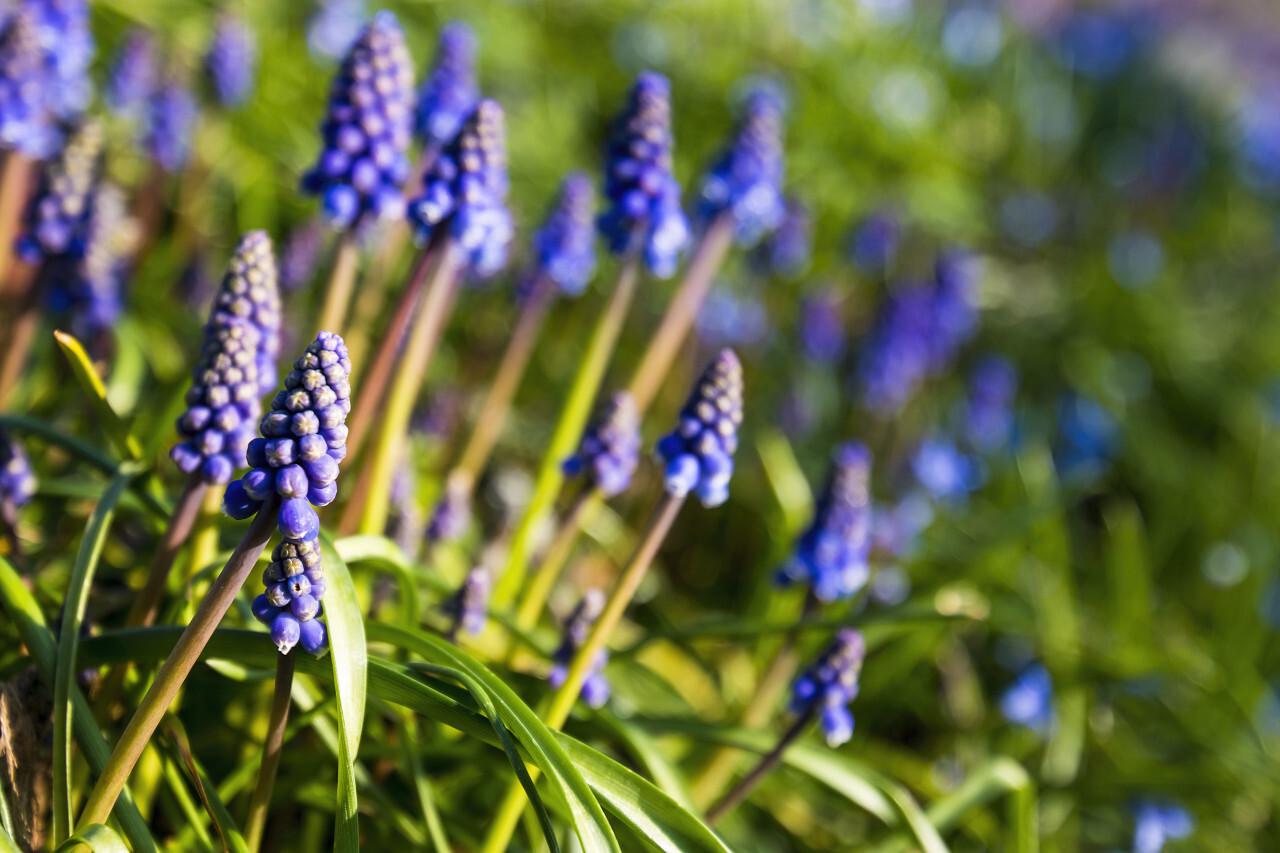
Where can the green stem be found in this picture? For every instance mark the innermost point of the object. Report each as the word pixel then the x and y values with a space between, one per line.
pixel 342 281
pixel 682 312
pixel 178 665
pixel 437 305
pixel 763 768
pixel 573 419
pixel 562 702
pixel 271 749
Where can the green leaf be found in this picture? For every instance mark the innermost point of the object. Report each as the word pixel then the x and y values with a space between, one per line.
pixel 87 376
pixel 589 820
pixel 38 639
pixel 98 837
pixel 95 536
pixel 350 662
pixel 7 844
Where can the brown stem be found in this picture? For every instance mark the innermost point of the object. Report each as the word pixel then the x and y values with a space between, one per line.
pixel 24 298
pixel 751 781
pixel 178 665
pixel 675 325
pixel 261 799
pixel 342 281
pixel 17 180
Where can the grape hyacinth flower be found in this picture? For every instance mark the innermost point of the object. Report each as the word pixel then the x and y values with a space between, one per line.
pixel 1089 437
pixel 896 528
pixel 828 686
pixel 564 247
pixel 699 453
pixel 17 480
pixel 405 527
pixel 746 181
pixel 232 60
pixel 1028 701
pixel 469 606
pixel 93 293
pixel 334 27
pixel 133 75
pixel 955 312
pixel 67 45
pixel 595 689
pixel 832 554
pixel 874 243
pixel 1157 823
pixel 945 471
pixel 466 191
pixel 171 120
pixel 822 336
pixel 25 121
pixel 251 292
pixel 57 222
pixel 223 402
pixel 450 92
pixel 788 251
pixel 451 516
pixel 610 448
pixel 367 131
pixel 643 192
pixel 301 255
pixel 304 438
pixel 989 410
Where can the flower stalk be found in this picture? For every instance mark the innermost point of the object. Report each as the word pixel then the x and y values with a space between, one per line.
pixel 256 822
pixel 763 768
pixel 342 282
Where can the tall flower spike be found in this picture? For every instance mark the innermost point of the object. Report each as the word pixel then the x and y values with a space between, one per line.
pixel 232 60
pixel 643 193
pixel 67 44
pixel 57 221
pixel 564 247
pixel 250 292
pixel 699 452
pixel 223 402
pixel 830 684
pixel 17 481
pixel 466 191
pixel 451 516
pixel 133 75
pixel 832 554
pixel 989 410
pixel 367 131
pixel 450 93
pixel 610 448
pixel 334 27
pixel 746 181
pixel 111 237
pixel 595 690
pixel 171 119
pixel 469 606
pixel 25 121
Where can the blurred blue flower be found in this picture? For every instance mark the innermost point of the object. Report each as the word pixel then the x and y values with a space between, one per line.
pixel 335 26
pixel 944 471
pixel 873 245
pixel 133 75
pixel 26 123
pixel 610 449
pixel 565 245
pixel 1097 44
pixel 830 684
pixel 1029 700
pixel 1088 437
pixel 57 219
pixel 1135 259
pixel 469 606
pixel 746 180
pixel 576 629
pixel 232 59
pixel 989 417
pixel 973 34
pixel 822 335
pixel 732 319
pixel 17 480
pixel 170 122
pixel 788 251
pixel 301 254
pixel 450 92
pixel 1158 822
pixel 896 528
pixel 1258 139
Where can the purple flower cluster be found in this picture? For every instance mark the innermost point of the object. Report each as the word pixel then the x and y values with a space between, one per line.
pixel 564 246
pixel 334 27
pixel 873 246
pixel 223 401
pixel 595 689
pixel 304 438
pixel 746 181
pixel 133 75
pixel 644 195
pixel 699 453
pixel 830 684
pixel 917 333
pixel 466 191
pixel 17 480
pixel 822 336
pixel 367 131
pixel 110 240
pixel 67 46
pixel 450 92
pixel 945 471
pixel 788 251
pixel 251 292
pixel 452 514
pixel 1029 700
pixel 57 222
pixel 232 60
pixel 831 556
pixel 25 121
pixel 171 119
pixel 988 415
pixel 610 448
pixel 469 606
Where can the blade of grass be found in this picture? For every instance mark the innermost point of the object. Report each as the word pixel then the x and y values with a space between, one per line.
pixel 97 837
pixel 82 367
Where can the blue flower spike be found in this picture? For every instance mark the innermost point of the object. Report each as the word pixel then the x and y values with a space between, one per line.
pixel 830 684
pixel 746 180
pixel 698 454
pixel 450 92
pixel 595 689
pixel 610 448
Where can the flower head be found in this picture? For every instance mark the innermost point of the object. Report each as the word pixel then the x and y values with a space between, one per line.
pixel 830 684
pixel 746 181
pixel 334 27
pixel 87 287
pixel 610 448
pixel 290 606
pixel 17 481
pixel 171 119
pixel 452 514
pixel 469 606
pixel 465 192
pixel 223 402
pixel 57 222
pixel 946 472
pixel 232 60
pixel 832 554
pixel 250 291
pixel 1154 823
pixel 367 131
pixel 699 452
pixel 989 409
pixel 1029 700
pixel 26 123
pixel 565 244
pixel 644 195
pixel 450 92
pixel 789 249
pixel 67 46
pixel 133 74
pixel 595 689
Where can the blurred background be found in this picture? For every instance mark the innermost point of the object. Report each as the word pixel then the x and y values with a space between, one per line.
pixel 1077 558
